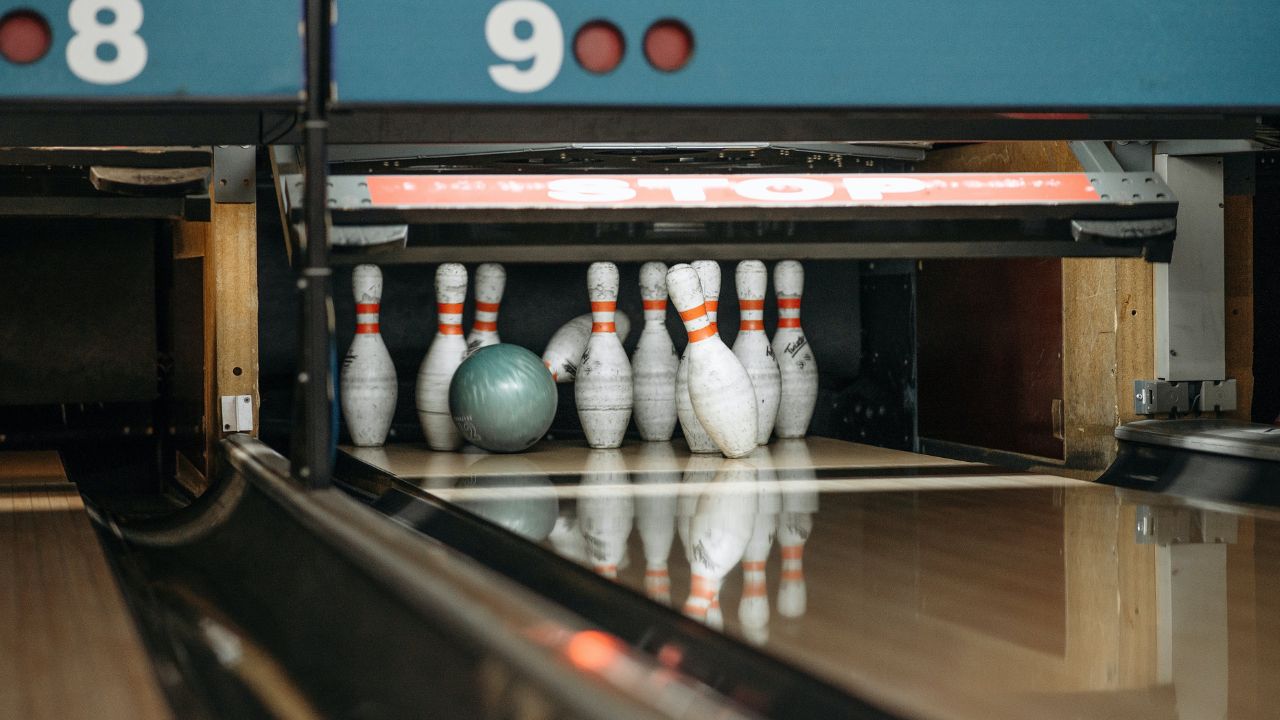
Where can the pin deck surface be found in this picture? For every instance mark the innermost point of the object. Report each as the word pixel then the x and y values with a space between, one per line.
pixel 68 648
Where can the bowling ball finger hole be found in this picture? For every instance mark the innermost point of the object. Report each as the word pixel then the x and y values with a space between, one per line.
pixel 237 372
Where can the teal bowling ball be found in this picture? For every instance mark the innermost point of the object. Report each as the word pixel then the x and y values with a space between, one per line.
pixel 502 398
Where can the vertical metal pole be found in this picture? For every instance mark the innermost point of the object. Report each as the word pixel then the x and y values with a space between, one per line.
pixel 312 441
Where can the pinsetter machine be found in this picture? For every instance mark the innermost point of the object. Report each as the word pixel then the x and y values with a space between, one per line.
pixel 1037 252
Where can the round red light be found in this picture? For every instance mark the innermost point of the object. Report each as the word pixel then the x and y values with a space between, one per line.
pixel 25 37
pixel 668 44
pixel 599 46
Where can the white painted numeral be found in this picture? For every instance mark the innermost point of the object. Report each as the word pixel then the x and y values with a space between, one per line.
pixel 118 32
pixel 544 46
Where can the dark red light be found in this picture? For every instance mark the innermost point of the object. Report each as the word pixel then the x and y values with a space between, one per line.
pixel 599 46
pixel 25 37
pixel 668 44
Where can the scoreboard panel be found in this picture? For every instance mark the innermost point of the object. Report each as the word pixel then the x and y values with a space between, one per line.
pixel 170 50
pixel 922 54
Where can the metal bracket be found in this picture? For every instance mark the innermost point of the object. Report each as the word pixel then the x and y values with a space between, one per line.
pixel 234 173
pixel 1164 526
pixel 1095 156
pixel 237 413
pixel 1161 397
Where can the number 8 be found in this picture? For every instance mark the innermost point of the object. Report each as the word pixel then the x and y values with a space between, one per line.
pixel 544 46
pixel 121 33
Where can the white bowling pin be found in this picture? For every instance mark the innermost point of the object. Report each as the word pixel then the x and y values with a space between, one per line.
pixel 491 281
pixel 795 523
pixel 752 346
pixel 694 434
pixel 718 534
pixel 368 380
pixel 654 363
pixel 602 389
pixel 719 387
pixel 605 510
pixel 443 358
pixel 656 519
pixel 795 358
pixel 567 344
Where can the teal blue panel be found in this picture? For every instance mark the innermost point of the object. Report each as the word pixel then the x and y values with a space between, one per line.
pixel 865 54
pixel 212 49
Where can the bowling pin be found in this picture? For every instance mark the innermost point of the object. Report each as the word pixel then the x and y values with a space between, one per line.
pixel 491 280
pixel 602 389
pixel 694 434
pixel 795 523
pixel 656 519
pixel 718 534
pixel 443 358
pixel 795 358
pixel 605 510
pixel 654 363
pixel 566 537
pixel 719 387
pixel 752 346
pixel 368 381
pixel 567 344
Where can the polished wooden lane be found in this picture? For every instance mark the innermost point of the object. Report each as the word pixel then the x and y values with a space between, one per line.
pixel 68 647
pixel 944 590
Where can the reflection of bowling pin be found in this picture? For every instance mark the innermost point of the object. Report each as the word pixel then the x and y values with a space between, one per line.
pixel 605 510
pixel 566 537
pixel 602 390
pixel 719 386
pixel 753 611
pixel 752 346
pixel 368 380
pixel 799 503
pixel 718 533
pixel 795 358
pixel 491 280
pixel 442 360
pixel 694 434
pixel 653 365
pixel 567 344
pixel 656 521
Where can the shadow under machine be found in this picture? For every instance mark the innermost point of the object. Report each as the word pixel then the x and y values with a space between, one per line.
pixel 1020 267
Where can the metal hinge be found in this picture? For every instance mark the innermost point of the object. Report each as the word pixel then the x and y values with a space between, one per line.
pixel 237 413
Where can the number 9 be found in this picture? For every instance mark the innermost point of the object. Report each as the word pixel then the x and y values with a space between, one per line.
pixel 544 46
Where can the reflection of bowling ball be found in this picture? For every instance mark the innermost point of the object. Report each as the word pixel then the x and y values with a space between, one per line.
pixel 523 503
pixel 502 398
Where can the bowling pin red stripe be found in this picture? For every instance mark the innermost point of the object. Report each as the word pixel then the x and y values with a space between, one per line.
pixel 789 303
pixel 788 322
pixel 609 571
pixel 754 589
pixel 603 327
pixel 655 573
pixel 485 325
pixel 792 575
pixel 752 566
pixel 449 308
pixel 655 304
pixel 792 552
pixel 702 333
pixel 487 306
pixel 366 328
pixel 693 313
pixel 367 308
pixel 747 325
pixel 751 304
pixel 450 329
pixel 604 306
pixel 713 305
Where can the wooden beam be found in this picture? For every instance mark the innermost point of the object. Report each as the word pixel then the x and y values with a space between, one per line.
pixel 1238 257
pixel 231 279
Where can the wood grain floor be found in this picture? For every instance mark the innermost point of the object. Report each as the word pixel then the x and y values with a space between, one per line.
pixel 68 648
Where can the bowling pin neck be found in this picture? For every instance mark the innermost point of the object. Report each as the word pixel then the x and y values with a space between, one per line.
pixel 367 318
pixel 486 317
pixel 655 312
pixel 788 312
pixel 602 315
pixel 697 322
pixel 751 313
pixel 450 318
